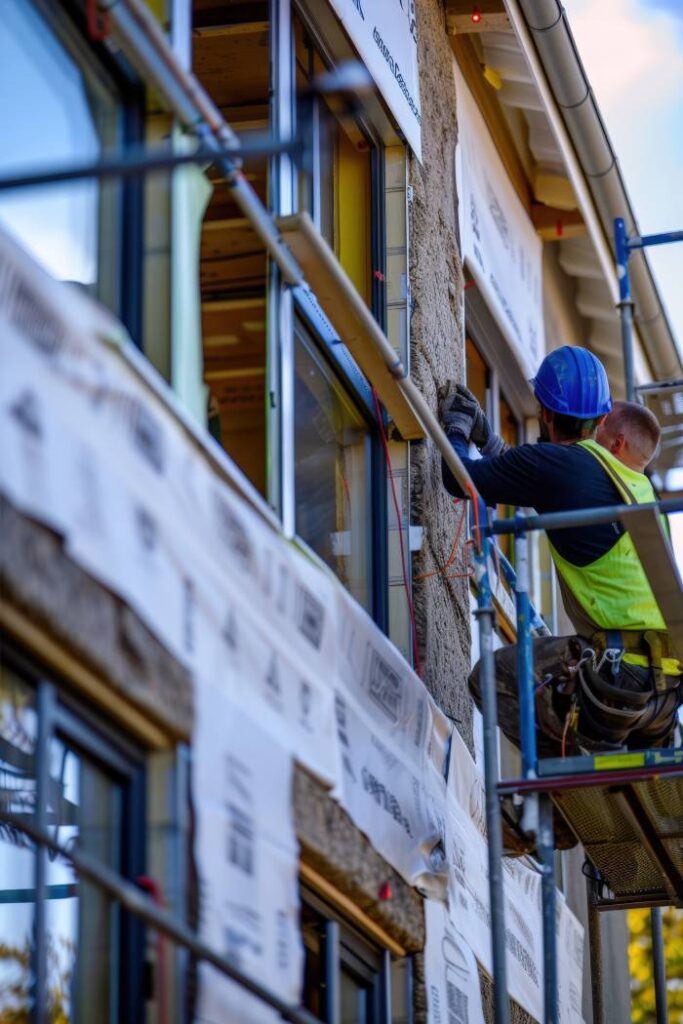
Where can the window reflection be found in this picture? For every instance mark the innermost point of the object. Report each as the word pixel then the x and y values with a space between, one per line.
pixel 82 926
pixel 84 807
pixel 56 112
pixel 17 859
pixel 355 999
pixel 332 455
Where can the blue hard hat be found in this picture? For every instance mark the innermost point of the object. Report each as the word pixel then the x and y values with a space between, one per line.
pixel 573 381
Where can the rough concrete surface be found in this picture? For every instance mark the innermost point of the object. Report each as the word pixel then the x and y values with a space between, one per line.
pixel 437 345
pixel 40 580
pixel 333 845
pixel 437 356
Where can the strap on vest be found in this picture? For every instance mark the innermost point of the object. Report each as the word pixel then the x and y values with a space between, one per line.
pixel 622 487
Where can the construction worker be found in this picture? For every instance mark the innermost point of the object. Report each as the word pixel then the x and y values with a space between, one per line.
pixel 616 683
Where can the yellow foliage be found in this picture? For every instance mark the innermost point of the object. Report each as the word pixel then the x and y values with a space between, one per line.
pixel 640 965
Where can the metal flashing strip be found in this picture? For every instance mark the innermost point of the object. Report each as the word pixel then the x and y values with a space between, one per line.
pixel 356 325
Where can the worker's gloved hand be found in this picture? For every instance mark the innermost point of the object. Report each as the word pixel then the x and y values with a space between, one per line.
pixel 482 434
pixel 481 429
pixel 459 410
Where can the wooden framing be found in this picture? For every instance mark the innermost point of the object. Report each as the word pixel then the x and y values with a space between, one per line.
pixel 57 657
pixel 485 98
pixel 344 905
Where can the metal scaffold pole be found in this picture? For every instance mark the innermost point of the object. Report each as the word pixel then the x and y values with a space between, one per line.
pixel 623 246
pixel 595 953
pixel 625 305
pixel 486 618
pixel 658 965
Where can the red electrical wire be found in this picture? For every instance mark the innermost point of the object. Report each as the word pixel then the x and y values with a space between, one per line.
pixel 441 571
pixel 404 567
pixel 149 885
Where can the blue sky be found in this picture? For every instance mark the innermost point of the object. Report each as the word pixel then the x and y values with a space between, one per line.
pixel 633 54
pixel 632 51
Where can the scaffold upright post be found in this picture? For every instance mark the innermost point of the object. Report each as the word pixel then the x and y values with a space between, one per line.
pixel 625 304
pixel 545 845
pixel 595 952
pixel 525 680
pixel 486 617
pixel 658 965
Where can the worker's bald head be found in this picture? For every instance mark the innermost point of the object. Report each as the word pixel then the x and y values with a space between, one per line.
pixel 631 432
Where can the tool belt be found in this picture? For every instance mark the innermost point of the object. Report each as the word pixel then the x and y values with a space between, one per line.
pixel 615 698
pixel 646 644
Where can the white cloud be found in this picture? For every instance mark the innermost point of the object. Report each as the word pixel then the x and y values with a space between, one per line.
pixel 632 55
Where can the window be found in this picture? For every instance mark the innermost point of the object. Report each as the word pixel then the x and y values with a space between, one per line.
pixel 284 397
pixel 336 190
pixel 92 951
pixel 347 978
pixel 58 106
pixel 332 452
pixel 231 57
pixel 477 374
pixel 509 430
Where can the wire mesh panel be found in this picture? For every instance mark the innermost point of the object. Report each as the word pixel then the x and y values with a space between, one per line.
pixel 633 835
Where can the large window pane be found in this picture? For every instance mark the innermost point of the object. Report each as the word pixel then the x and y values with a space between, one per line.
pixel 55 111
pixel 17 859
pixel 231 58
pixel 82 935
pixel 336 190
pixel 509 431
pixel 332 453
pixel 82 924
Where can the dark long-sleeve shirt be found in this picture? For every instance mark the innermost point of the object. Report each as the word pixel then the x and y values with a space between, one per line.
pixel 549 478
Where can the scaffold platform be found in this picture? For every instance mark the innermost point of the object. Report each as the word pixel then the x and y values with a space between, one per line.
pixel 626 809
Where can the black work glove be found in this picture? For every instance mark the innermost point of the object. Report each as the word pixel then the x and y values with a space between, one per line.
pixel 480 431
pixel 459 410
pixel 462 409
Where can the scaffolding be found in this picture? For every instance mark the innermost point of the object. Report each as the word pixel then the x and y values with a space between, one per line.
pixel 626 808
pixel 640 792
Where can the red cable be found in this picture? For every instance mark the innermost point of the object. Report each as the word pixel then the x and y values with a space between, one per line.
pixel 404 567
pixel 441 571
pixel 149 885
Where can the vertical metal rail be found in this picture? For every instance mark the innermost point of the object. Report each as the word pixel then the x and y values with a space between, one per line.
pixel 545 844
pixel 595 953
pixel 485 614
pixel 625 304
pixel 525 680
pixel 538 809
pixel 42 770
pixel 623 246
pixel 332 992
pixel 658 965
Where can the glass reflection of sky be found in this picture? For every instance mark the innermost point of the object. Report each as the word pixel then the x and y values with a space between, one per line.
pixel 45 120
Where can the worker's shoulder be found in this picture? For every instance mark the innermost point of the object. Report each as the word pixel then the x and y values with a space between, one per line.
pixel 546 453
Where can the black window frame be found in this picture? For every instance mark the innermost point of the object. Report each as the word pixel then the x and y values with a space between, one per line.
pixel 344 946
pixel 359 392
pixel 65 716
pixel 70 16
pixel 354 382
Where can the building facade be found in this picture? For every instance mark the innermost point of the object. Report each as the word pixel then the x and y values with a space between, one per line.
pixel 236 598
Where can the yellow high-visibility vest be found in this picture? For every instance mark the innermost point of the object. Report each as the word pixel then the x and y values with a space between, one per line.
pixel 614 591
